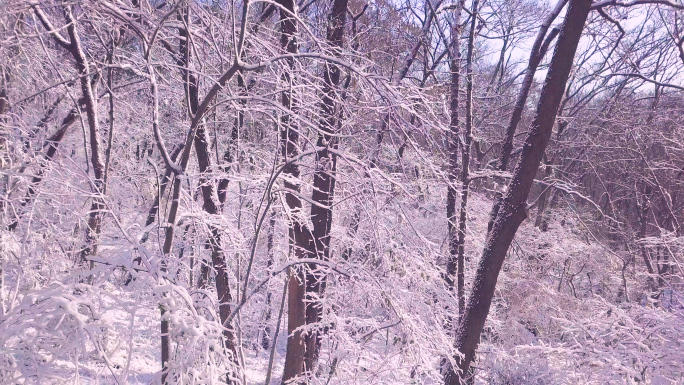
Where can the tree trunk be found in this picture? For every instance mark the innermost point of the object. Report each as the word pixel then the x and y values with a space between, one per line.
pixel 514 205
pixel 266 339
pixel 211 204
pixel 298 233
pixel 453 143
pixel 324 183
pixel 95 219
pixel 465 163
pixel 539 48
pixel 180 168
pixel 73 46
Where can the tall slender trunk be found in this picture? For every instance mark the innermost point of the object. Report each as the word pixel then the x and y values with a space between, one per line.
pixel 453 147
pixel 324 182
pixel 298 233
pixel 230 153
pixel 73 46
pixel 539 48
pixel 152 213
pixel 514 205
pixel 197 121
pixel 211 204
pixel 266 338
pixel 110 93
pixel 465 162
pixel 95 218
pixel 500 68
pixel 4 99
pixel 4 159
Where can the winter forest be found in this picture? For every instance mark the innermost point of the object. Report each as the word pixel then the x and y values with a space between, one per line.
pixel 341 192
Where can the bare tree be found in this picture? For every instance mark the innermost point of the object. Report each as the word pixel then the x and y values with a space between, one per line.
pixel 73 46
pixel 513 209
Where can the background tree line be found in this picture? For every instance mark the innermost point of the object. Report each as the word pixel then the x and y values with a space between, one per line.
pixel 341 191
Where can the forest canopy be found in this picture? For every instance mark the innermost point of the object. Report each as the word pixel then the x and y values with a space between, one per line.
pixel 341 192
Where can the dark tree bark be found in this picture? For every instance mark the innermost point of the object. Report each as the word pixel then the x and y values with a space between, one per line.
pixel 200 110
pixel 266 339
pixel 211 203
pixel 500 68
pixel 110 94
pixel 175 196
pixel 298 233
pixel 453 143
pixel 179 169
pixel 152 213
pixel 514 205
pixel 52 143
pixel 4 98
pixel 46 118
pixel 465 163
pixel 324 182
pixel 154 210
pixel 539 48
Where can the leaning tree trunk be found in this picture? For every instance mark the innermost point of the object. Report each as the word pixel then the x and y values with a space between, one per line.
pixel 180 168
pixel 514 205
pixel 539 48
